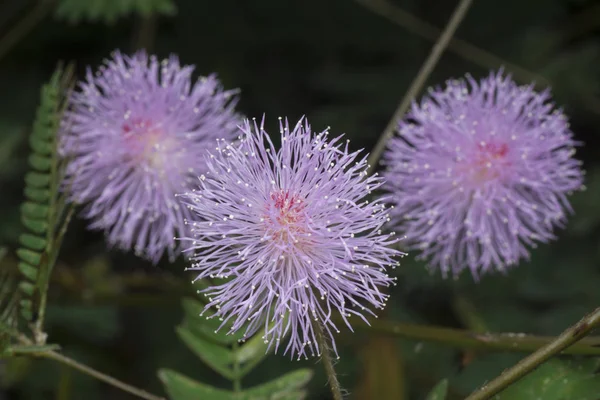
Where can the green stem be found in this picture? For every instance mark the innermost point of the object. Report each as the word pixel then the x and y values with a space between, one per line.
pixel 99 375
pixel 509 342
pixel 572 335
pixel 460 47
pixel 53 355
pixel 327 360
pixel 145 32
pixel 419 81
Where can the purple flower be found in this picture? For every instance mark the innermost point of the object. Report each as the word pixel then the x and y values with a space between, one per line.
pixel 135 135
pixel 480 172
pixel 294 234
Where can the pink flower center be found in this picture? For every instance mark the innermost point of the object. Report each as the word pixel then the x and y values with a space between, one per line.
pixel 489 161
pixel 492 151
pixel 284 217
pixel 146 142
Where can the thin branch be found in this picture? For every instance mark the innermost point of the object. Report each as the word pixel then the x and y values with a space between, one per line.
pixel 572 335
pixel 99 375
pixel 508 342
pixel 460 47
pixel 53 355
pixel 419 81
pixel 327 361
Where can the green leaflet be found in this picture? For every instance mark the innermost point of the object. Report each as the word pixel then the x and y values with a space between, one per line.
pixel 251 349
pixel 204 326
pixel 286 387
pixel 287 383
pixel 39 162
pixel 37 179
pixel 557 380
pixel 180 387
pixel 217 357
pixel 229 358
pixel 34 210
pixel 44 213
pixel 27 288
pixel 111 10
pixel 37 195
pixel 439 392
pixel 214 346
pixel 28 271
pixel 32 241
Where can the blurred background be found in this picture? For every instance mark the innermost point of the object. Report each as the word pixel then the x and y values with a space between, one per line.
pixel 344 64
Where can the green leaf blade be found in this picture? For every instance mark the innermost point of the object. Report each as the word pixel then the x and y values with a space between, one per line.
pixel 180 387
pixel 34 210
pixel 557 380
pixel 33 242
pixel 289 382
pixel 31 257
pixel 217 357
pixel 439 392
pixel 40 163
pixel 204 326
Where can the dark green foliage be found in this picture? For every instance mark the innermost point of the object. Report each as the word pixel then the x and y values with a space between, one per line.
pixel 553 380
pixel 110 10
pixel 558 380
pixel 439 391
pixel 44 213
pixel 343 66
pixel 231 359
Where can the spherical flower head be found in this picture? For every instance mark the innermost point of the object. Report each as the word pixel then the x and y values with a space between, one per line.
pixel 294 234
pixel 480 172
pixel 134 135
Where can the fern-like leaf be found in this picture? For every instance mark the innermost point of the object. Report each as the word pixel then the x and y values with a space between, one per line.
pixel 287 387
pixel 233 360
pixel 110 10
pixel 45 212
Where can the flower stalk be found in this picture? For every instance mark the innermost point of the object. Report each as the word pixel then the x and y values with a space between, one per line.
pixel 327 360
